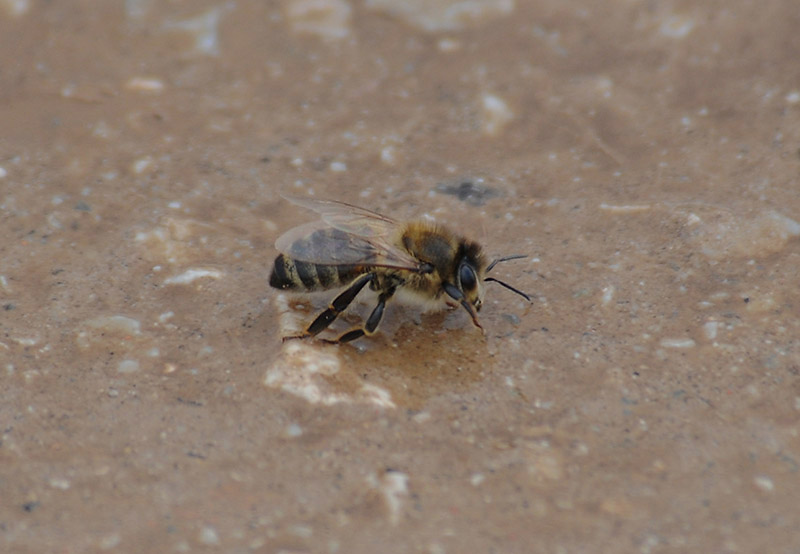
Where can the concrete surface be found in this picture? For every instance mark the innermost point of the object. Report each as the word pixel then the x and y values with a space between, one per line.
pixel 645 155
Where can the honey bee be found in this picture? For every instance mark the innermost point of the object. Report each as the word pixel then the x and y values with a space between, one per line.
pixel 354 247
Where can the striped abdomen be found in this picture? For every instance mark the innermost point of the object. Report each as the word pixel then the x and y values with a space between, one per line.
pixel 289 274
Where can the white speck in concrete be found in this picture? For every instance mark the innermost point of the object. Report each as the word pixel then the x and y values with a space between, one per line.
pixel 60 483
pixel 141 165
pixel 710 328
pixel 192 275
pixel 145 84
pixel 451 15
pixel 68 90
pixel 625 209
pixel 421 417
pixel 208 535
pixel 608 295
pixel 677 343
pixel 449 45
pixel 676 26
pixel 31 375
pixel 393 486
pixel 117 329
pixel 389 155
pixel 103 130
pixel 375 395
pixel 301 531
pixel 116 323
pixel 764 483
pixel 128 366
pixel 496 114
pixel 793 97
pixel 294 430
pixel 580 449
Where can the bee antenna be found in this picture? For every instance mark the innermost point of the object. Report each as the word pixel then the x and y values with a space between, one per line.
pixel 504 259
pixel 509 287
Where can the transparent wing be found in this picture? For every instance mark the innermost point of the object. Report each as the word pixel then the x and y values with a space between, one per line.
pixel 349 218
pixel 346 235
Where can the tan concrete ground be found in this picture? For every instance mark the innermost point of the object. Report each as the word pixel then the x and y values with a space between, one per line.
pixel 645 155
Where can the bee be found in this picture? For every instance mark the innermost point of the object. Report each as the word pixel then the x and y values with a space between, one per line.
pixel 354 247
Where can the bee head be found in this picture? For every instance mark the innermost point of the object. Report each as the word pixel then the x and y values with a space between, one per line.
pixel 467 276
pixel 469 283
pixel 470 274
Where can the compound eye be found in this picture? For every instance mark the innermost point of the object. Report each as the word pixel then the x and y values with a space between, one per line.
pixel 467 277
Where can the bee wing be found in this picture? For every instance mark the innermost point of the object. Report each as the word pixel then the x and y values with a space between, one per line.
pixel 348 218
pixel 320 243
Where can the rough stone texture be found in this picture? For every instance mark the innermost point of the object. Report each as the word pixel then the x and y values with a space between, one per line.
pixel 645 156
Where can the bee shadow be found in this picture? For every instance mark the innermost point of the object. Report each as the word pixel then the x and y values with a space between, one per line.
pixel 418 359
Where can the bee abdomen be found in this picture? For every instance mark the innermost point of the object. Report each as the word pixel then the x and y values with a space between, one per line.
pixel 289 274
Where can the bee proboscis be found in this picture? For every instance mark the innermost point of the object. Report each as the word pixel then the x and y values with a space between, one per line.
pixel 354 247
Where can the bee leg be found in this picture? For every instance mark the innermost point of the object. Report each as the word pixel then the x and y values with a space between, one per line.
pixel 335 308
pixel 372 321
